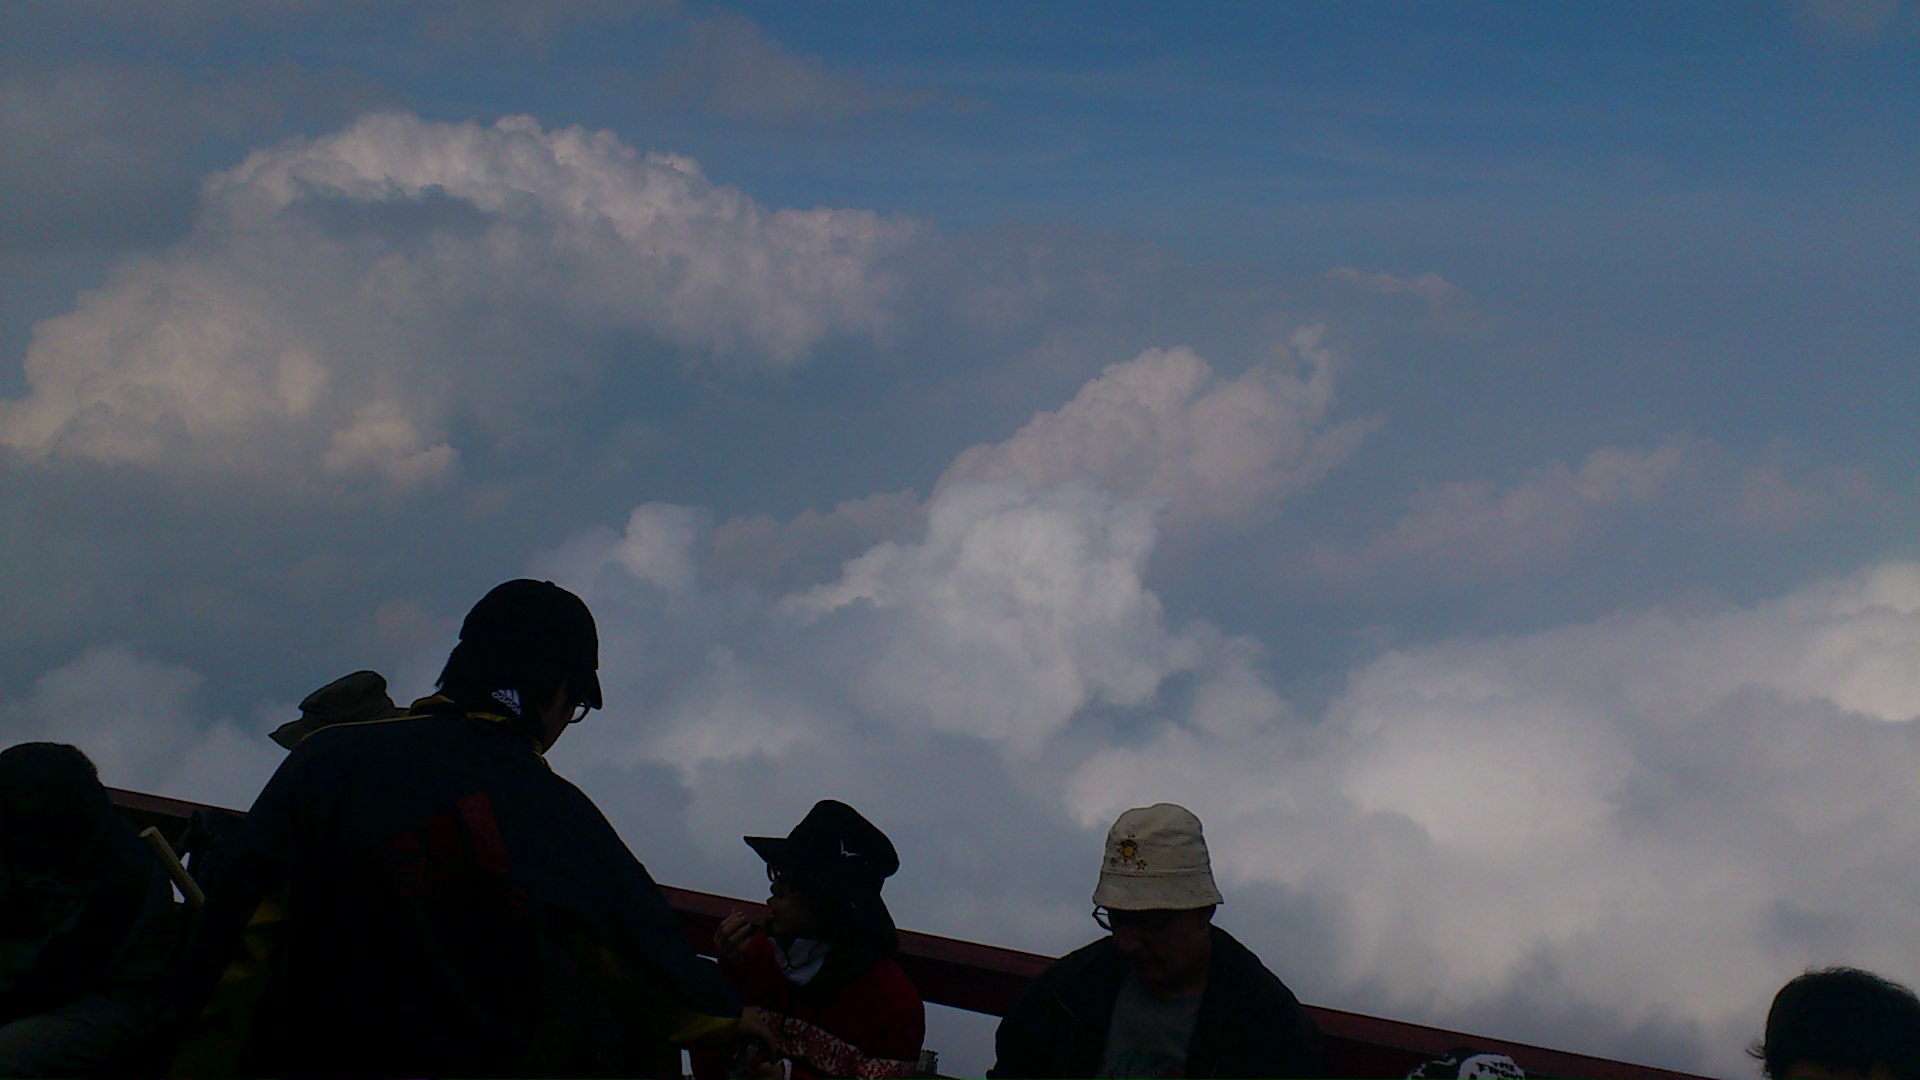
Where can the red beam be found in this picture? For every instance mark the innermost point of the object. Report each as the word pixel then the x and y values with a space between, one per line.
pixel 985 979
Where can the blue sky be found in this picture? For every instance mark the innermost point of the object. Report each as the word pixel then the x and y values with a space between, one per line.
pixel 1440 443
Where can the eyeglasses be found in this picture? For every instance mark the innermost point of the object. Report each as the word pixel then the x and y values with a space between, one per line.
pixel 1140 922
pixel 778 881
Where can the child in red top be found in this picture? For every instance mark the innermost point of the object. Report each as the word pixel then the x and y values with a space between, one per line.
pixel 821 972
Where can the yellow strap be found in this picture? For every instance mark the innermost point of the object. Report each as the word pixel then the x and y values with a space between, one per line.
pixel 212 1045
pixel 641 1002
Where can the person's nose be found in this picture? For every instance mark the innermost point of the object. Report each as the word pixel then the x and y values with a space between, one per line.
pixel 1126 939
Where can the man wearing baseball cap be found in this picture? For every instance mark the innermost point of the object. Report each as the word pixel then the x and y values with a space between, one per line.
pixel 439 902
pixel 1166 993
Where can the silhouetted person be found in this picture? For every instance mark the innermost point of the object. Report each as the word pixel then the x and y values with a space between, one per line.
pixel 87 923
pixel 1167 993
pixel 442 903
pixel 822 968
pixel 349 699
pixel 1842 1024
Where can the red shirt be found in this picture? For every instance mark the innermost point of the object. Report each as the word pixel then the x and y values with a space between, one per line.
pixel 870 1027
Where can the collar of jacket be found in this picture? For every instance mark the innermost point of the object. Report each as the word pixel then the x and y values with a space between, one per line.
pixel 442 705
pixel 1089 985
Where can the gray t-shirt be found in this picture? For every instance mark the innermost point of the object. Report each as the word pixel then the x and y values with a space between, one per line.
pixel 1148 1037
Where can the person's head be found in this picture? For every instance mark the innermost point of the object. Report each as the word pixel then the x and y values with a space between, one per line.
pixel 1157 896
pixel 349 699
pixel 529 647
pixel 51 804
pixel 825 877
pixel 1842 1024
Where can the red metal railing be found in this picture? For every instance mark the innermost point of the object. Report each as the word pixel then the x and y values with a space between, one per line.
pixel 985 979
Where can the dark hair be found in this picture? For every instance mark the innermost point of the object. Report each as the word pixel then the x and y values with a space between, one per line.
pixel 51 803
pixel 1843 1017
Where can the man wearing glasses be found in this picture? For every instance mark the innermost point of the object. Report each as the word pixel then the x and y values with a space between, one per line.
pixel 1166 993
pixel 429 898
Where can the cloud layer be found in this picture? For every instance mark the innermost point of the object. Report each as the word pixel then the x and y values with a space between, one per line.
pixel 992 632
pixel 1616 836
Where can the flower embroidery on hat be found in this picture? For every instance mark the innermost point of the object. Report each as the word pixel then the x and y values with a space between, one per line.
pixel 1128 851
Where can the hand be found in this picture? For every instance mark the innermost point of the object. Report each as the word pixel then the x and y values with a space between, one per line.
pixel 730 941
pixel 757 1023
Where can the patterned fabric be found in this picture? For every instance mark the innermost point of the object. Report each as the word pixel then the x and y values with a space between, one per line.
pixel 824 1054
pixel 1467 1063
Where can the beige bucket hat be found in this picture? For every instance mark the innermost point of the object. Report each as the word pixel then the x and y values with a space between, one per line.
pixel 1156 860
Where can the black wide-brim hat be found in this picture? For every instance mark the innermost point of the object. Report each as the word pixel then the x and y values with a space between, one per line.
pixel 836 855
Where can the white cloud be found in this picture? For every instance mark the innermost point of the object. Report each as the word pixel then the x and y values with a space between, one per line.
pixel 143 725
pixel 1651 816
pixel 1163 427
pixel 658 546
pixel 352 300
pixel 1632 822
pixel 1609 836
pixel 1613 836
pixel 1020 608
pixel 1475 530
pixel 381 440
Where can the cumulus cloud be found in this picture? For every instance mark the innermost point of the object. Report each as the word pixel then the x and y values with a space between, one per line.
pixel 1639 817
pixel 1611 836
pixel 1164 427
pixel 1617 836
pixel 355 299
pixel 1019 608
pixel 143 723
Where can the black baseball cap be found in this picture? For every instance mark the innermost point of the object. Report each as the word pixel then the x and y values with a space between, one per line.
pixel 525 623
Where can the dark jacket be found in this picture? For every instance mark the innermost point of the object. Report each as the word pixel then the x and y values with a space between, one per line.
pixel 101 923
pixel 437 881
pixel 1249 1023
